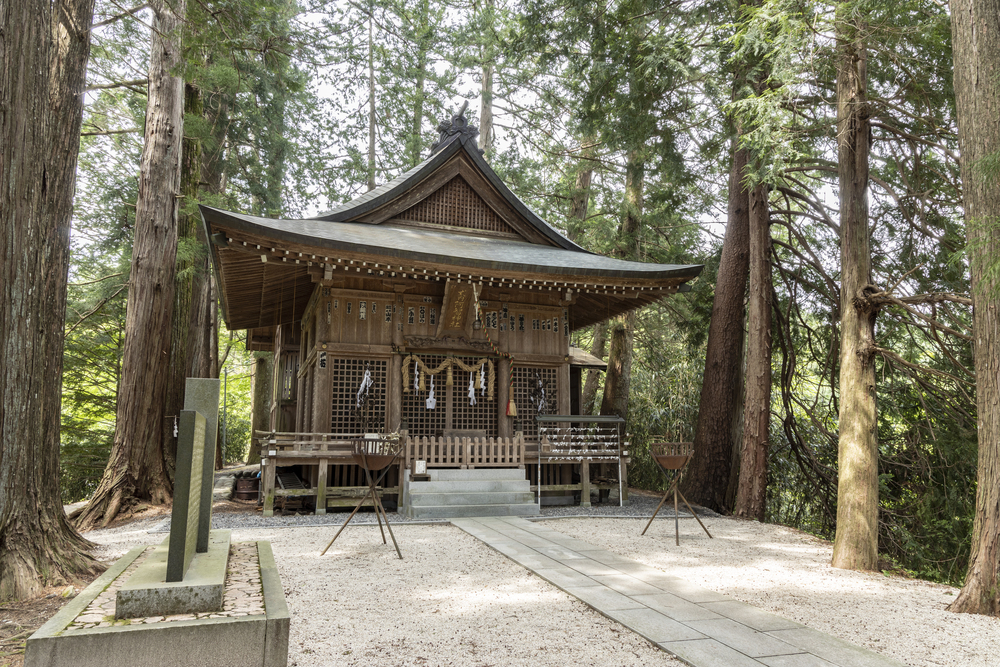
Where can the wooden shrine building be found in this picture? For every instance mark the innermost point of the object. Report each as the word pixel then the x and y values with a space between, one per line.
pixel 435 306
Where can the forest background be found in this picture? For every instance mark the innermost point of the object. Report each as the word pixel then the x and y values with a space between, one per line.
pixel 633 127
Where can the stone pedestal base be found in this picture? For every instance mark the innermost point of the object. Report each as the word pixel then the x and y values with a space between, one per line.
pixel 235 637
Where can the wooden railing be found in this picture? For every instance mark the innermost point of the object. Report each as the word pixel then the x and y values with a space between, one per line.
pixel 337 444
pixel 455 452
pixel 327 452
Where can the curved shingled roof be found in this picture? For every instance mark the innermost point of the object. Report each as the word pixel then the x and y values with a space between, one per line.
pixel 257 293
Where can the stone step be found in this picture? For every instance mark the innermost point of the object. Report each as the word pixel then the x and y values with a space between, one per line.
pixel 474 474
pixel 450 511
pixel 472 486
pixel 452 499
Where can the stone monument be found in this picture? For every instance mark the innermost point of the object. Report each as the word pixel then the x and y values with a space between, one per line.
pixel 169 601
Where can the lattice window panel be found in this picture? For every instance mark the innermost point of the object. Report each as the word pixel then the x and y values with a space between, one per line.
pixel 457 204
pixel 420 420
pixel 347 376
pixel 482 415
pixel 287 378
pixel 525 381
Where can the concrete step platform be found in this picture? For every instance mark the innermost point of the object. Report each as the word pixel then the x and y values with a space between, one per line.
pixel 455 511
pixel 472 486
pixel 423 499
pixel 474 474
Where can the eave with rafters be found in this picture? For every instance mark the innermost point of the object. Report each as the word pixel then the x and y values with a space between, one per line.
pixel 450 218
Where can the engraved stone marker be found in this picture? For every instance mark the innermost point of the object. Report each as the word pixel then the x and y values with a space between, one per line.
pixel 187 494
pixel 202 395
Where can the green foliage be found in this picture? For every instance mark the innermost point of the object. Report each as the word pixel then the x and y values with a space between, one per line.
pixel 582 87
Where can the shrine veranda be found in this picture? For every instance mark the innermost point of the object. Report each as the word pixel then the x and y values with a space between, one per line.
pixel 437 307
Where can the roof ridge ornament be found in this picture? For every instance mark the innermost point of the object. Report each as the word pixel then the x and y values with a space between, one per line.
pixel 457 126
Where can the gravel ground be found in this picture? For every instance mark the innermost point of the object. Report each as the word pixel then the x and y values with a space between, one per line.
pixel 454 601
pixel 245 516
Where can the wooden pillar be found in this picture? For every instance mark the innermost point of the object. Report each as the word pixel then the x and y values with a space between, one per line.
pixel 321 487
pixel 505 424
pixel 269 470
pixel 584 483
pixel 623 469
pixel 322 386
pixel 395 382
pixel 564 394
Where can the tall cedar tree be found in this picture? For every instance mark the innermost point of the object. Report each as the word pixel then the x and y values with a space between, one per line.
pixel 751 494
pixel 751 458
pixel 618 377
pixel 186 280
pixel 44 55
pixel 855 545
pixel 976 35
pixel 707 477
pixel 136 468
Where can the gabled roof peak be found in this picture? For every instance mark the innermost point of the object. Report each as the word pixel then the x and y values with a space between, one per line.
pixel 458 127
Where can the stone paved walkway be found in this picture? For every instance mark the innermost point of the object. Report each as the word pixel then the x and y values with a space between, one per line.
pixel 701 627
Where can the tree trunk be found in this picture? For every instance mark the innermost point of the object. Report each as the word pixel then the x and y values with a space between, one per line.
pixel 184 285
pixel 707 477
pixel 751 495
pixel 855 545
pixel 486 101
pixel 371 99
pixel 976 39
pixel 135 469
pixel 618 378
pixel 263 382
pixel 579 203
pixel 599 347
pixel 486 112
pixel 416 143
pixel 43 60
pixel 203 333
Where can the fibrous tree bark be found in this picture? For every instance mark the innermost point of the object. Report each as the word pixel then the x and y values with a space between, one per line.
pixel 618 377
pixel 751 494
pixel 371 96
pixel 976 39
pixel 856 542
pixel 44 47
pixel 184 286
pixel 576 221
pixel 707 477
pixel 599 347
pixel 260 418
pixel 135 468
pixel 423 37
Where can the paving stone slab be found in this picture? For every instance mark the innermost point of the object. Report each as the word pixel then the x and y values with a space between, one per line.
pixel 796 660
pixel 608 558
pixel 837 651
pixel 589 567
pixel 690 592
pixel 564 577
pixel 627 584
pixel 758 619
pixel 675 607
pixel 603 599
pixel 708 653
pixel 538 562
pixel 653 625
pixel 744 639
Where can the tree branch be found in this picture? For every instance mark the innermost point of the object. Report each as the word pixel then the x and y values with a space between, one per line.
pixel 118 17
pixel 117 84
